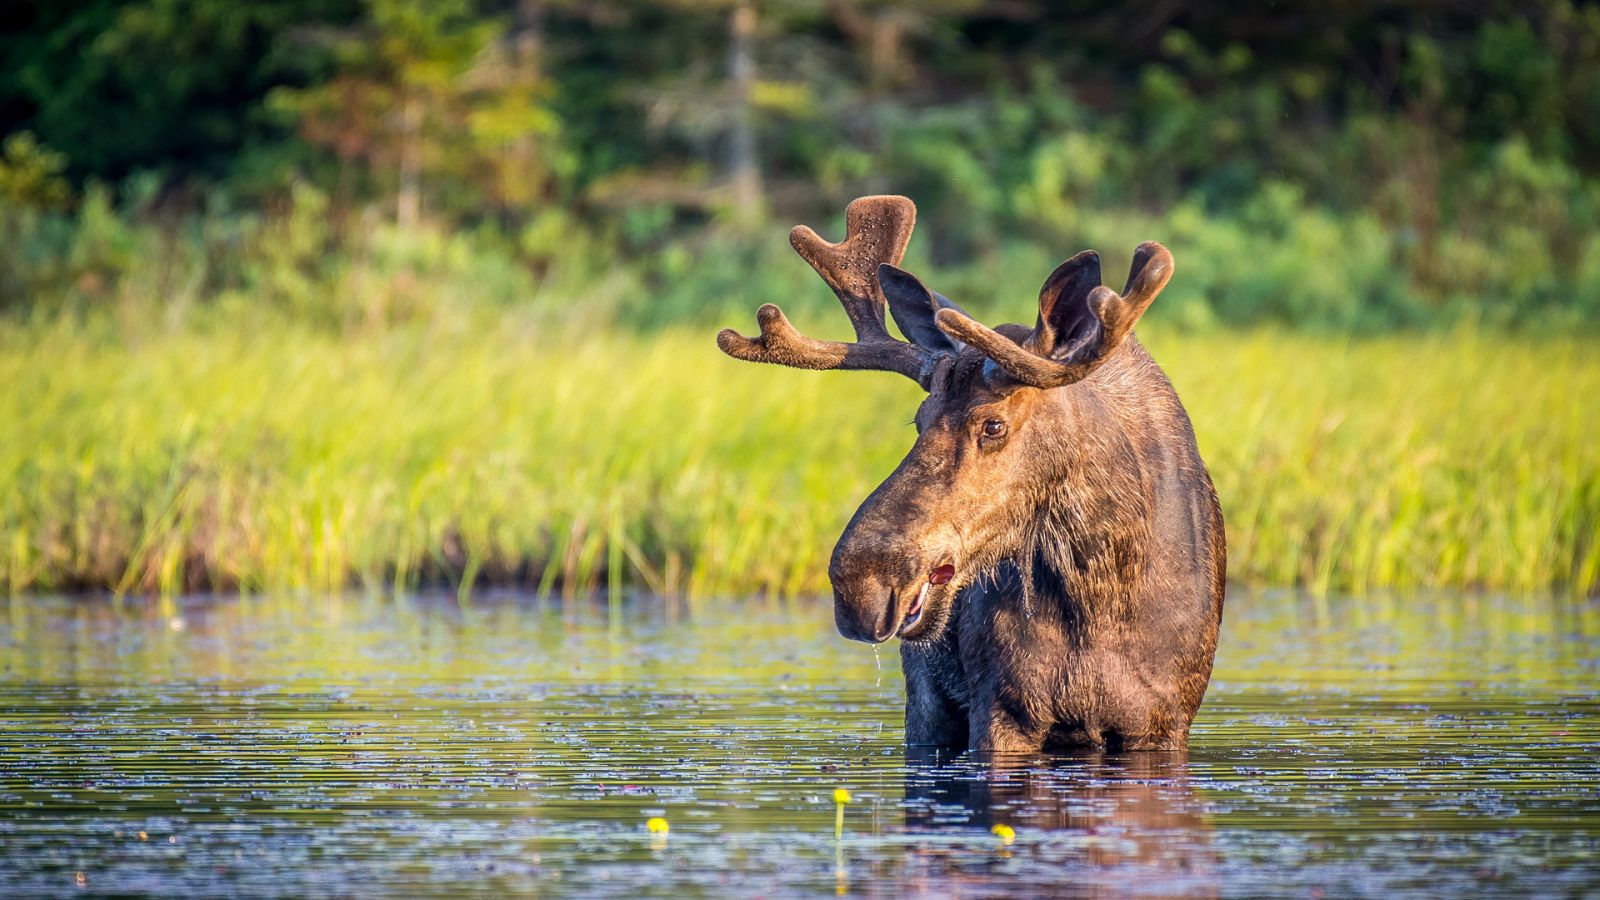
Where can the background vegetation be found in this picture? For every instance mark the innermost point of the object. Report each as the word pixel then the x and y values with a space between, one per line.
pixel 311 292
pixel 217 460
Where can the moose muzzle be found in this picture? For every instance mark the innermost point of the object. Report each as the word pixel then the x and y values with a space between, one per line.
pixel 881 588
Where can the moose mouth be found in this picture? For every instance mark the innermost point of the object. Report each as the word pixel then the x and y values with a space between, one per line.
pixel 938 576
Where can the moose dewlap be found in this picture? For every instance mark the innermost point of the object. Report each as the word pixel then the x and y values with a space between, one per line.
pixel 1050 552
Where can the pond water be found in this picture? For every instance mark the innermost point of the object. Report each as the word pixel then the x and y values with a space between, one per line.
pixel 365 744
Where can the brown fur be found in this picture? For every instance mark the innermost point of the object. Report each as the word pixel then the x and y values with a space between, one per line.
pixel 1089 563
pixel 1086 539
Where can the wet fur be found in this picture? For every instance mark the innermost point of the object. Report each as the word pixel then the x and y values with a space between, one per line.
pixel 1121 566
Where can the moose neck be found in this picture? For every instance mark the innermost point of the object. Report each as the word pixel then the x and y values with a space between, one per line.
pixel 1087 546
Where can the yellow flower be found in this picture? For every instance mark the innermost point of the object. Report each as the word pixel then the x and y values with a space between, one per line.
pixel 1005 833
pixel 656 825
pixel 840 795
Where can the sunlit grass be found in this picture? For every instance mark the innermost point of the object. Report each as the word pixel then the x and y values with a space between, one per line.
pixel 283 457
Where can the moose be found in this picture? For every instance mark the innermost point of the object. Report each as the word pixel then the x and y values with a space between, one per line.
pixel 1050 552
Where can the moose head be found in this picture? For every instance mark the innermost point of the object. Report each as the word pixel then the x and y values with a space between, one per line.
pixel 1001 428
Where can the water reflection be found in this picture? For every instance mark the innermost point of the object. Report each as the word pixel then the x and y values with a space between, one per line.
pixel 339 745
pixel 1089 823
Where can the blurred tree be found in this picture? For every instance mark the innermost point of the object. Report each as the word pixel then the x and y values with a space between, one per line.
pixel 31 174
pixel 716 110
pixel 119 85
pixel 425 91
pixel 1438 131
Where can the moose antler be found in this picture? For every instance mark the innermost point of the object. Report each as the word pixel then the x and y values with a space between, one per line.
pixel 877 230
pixel 1051 356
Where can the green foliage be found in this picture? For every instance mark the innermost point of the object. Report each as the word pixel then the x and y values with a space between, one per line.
pixel 429 92
pixel 1278 258
pixel 1361 168
pixel 499 447
pixel 175 84
pixel 30 174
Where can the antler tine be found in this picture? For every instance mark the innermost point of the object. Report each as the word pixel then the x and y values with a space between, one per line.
pixel 1116 315
pixel 780 343
pixel 877 230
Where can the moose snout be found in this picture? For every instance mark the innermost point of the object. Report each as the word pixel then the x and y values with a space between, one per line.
pixel 865 610
pixel 888 558
pixel 876 586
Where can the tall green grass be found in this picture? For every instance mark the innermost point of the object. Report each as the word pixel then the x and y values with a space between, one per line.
pixel 494 450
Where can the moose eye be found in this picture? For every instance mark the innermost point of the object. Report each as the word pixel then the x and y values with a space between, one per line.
pixel 994 428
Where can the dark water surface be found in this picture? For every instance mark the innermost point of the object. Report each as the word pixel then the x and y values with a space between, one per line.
pixel 1440 746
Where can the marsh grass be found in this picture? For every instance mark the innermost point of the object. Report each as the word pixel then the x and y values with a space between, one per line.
pixel 494 451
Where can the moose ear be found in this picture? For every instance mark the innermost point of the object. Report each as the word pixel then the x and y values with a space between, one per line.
pixel 1066 323
pixel 913 306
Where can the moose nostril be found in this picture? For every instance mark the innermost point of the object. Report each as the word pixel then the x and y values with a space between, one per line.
pixel 885 629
